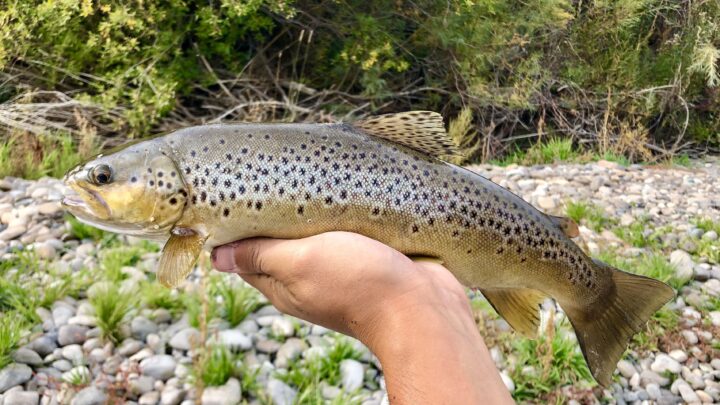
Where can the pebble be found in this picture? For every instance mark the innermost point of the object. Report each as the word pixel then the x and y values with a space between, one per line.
pixel 90 396
pixel 141 327
pixel 683 263
pixel 678 355
pixel 73 353
pixel 72 334
pixel 289 351
pixel 43 345
pixel 27 356
pixel 626 368
pixel 509 383
pixel 150 398
pixel 21 398
pixel 14 374
pixel 171 396
pixel 227 394
pixel 160 366
pixel 234 339
pixel 280 393
pixel 282 326
pixel 351 374
pixel 185 338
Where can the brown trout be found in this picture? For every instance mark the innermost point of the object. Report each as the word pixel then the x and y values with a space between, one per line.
pixel 382 177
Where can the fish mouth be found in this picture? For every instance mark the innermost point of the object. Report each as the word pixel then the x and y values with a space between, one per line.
pixel 85 202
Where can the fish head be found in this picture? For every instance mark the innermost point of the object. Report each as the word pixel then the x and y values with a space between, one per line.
pixel 136 191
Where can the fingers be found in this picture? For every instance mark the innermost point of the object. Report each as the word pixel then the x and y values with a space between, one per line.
pixel 254 256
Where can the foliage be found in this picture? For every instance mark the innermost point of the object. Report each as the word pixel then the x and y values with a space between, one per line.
pixel 155 295
pixel 586 213
pixel 552 360
pixel 610 75
pixel 111 306
pixel 114 259
pixel 238 301
pixel 11 327
pixel 306 374
pixel 216 366
pixel 33 157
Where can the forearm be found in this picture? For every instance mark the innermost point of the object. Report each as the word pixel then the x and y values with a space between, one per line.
pixel 432 352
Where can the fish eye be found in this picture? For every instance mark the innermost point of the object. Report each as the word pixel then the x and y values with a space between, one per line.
pixel 101 174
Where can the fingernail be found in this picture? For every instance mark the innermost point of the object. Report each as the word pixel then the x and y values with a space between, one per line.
pixel 224 258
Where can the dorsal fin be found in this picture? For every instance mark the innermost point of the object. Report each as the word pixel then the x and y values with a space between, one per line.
pixel 420 130
pixel 567 225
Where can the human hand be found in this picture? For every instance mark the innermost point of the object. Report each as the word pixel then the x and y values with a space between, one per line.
pixel 414 316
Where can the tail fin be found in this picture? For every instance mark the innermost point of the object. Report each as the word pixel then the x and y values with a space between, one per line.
pixel 605 330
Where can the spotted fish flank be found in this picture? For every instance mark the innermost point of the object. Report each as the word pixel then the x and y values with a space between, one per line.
pixel 205 186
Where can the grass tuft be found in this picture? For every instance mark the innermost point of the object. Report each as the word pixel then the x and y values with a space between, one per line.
pixel 238 301
pixel 111 306
pixel 306 374
pixel 11 325
pixel 215 366
pixel 155 295
pixel 588 214
pixel 555 361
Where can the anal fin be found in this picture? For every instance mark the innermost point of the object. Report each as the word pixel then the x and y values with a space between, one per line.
pixel 178 258
pixel 520 307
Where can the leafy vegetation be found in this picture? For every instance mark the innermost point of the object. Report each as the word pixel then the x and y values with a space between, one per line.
pixel 216 365
pixel 111 306
pixel 238 301
pixel 546 363
pixel 588 214
pixel 306 374
pixel 11 327
pixel 545 75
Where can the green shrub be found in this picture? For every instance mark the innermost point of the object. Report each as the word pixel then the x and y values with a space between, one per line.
pixel 217 365
pixel 613 75
pixel 11 327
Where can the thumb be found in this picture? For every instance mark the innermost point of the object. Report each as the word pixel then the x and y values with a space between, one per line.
pixel 254 256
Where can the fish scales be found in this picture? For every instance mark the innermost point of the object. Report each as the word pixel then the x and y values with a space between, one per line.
pixel 293 181
pixel 205 186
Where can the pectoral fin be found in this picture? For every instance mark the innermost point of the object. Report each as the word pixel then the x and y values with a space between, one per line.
pixel 178 258
pixel 520 307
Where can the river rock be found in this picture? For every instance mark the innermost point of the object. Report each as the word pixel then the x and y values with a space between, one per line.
pixel 160 366
pixel 14 374
pixel 227 394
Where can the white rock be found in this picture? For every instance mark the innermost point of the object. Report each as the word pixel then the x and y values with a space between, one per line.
pixel 185 339
pixel 73 353
pixel 228 394
pixel 686 392
pixel 234 339
pixel 150 398
pixel 21 398
pixel 289 351
pixel 509 384
pixel 690 336
pixel 160 366
pixel 280 393
pixel 712 287
pixel 90 396
pixel 171 396
pixel 678 355
pixel 282 326
pixel 683 263
pixel 626 368
pixel 352 374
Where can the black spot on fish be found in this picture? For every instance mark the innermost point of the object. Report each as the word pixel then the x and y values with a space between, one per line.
pixel 226 212
pixel 222 142
pixel 151 182
pixel 203 196
pixel 258 205
pixel 173 201
pixel 193 153
pixel 133 179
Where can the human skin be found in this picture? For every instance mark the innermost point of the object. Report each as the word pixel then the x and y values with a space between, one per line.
pixel 414 316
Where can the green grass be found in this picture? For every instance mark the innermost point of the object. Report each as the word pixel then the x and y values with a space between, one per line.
pixel 83 231
pixel 660 323
pixel 636 234
pixel 78 376
pixel 111 306
pixel 306 374
pixel 612 157
pixel 192 304
pixel 216 365
pixel 114 259
pixel 238 301
pixel 588 214
pixel 653 265
pixel 155 295
pixel 706 224
pixel 556 362
pixel 553 151
pixel 32 157
pixel 19 299
pixel 11 326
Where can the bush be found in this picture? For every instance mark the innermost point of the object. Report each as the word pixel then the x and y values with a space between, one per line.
pixel 617 75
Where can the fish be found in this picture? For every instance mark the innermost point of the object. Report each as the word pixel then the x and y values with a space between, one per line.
pixel 385 177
